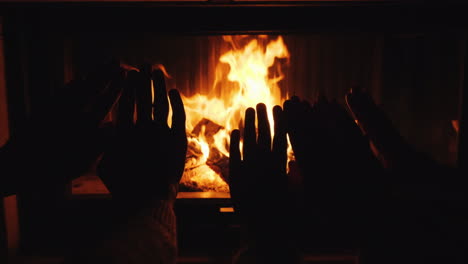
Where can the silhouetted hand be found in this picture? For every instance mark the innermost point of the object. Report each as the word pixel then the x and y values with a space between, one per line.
pixel 259 186
pixel 392 149
pixel 261 174
pixel 63 140
pixel 145 161
pixel 329 148
pixel 339 174
pixel 423 211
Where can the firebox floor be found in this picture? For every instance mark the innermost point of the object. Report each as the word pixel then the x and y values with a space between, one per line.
pixel 91 185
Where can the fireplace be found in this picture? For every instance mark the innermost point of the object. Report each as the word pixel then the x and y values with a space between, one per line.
pixel 410 60
pixel 220 75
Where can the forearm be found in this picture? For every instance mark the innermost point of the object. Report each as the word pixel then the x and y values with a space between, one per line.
pixel 146 235
pixel 149 237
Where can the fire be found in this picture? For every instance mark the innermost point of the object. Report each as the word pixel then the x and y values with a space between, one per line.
pixel 210 118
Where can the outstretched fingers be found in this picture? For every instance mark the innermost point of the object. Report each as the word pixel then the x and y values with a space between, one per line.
pixel 91 99
pixel 142 84
pixel 249 145
pixel 279 140
pixel 303 131
pixel 293 124
pixel 377 126
pixel 178 112
pixel 264 134
pixel 126 102
pixel 161 104
pixel 234 156
pixel 109 91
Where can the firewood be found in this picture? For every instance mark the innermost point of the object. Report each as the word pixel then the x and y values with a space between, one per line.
pixel 219 163
pixel 211 128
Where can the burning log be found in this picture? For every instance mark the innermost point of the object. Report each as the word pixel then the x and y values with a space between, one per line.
pixel 219 163
pixel 194 154
pixel 205 172
pixel 208 128
pixel 202 178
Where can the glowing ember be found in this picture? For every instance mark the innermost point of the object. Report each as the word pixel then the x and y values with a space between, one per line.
pixel 210 119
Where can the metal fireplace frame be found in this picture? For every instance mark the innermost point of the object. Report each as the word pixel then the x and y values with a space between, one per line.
pixel 36 34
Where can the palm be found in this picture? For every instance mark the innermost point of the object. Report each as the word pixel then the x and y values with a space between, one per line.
pixel 147 159
pixel 64 139
pixel 259 181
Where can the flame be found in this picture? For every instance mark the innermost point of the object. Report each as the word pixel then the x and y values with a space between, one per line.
pixel 254 73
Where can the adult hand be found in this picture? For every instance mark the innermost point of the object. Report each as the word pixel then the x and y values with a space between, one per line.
pixel 259 188
pixel 391 148
pixel 328 146
pixel 339 174
pixel 63 140
pixel 423 211
pixel 260 175
pixel 145 161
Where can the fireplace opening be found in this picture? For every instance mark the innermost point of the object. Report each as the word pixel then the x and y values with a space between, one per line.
pixel 409 57
pixel 414 77
pixel 219 79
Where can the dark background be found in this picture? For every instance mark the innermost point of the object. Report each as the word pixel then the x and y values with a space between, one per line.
pixel 409 55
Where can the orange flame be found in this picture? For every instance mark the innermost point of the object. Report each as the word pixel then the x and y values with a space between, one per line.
pixel 210 119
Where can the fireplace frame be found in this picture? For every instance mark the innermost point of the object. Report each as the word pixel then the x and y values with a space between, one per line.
pixel 50 25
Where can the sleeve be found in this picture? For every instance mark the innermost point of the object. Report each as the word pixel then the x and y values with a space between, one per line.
pixel 148 236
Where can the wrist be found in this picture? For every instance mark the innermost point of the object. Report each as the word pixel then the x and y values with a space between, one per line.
pixel 157 211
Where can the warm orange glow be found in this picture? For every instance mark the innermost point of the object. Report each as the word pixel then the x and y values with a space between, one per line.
pixel 253 76
pixel 226 209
